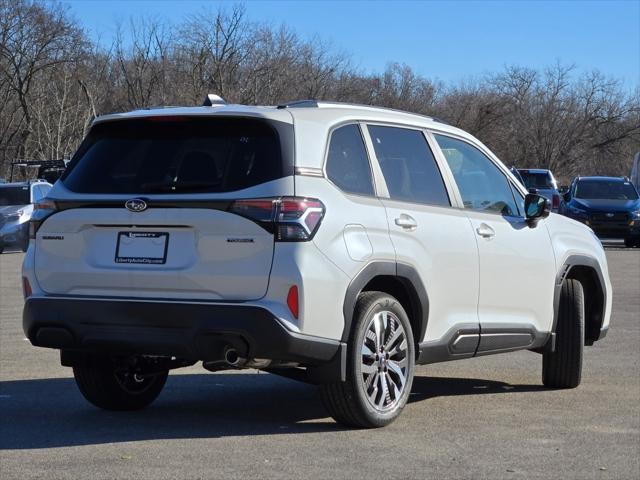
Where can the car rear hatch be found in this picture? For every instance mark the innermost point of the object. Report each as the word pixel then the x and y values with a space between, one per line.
pixel 160 207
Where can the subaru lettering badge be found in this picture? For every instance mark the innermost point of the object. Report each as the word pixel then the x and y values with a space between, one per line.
pixel 609 215
pixel 136 205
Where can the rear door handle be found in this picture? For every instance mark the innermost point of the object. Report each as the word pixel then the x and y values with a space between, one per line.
pixel 406 221
pixel 485 231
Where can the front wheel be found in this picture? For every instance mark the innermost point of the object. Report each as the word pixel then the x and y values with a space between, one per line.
pixel 380 365
pixel 111 386
pixel 562 368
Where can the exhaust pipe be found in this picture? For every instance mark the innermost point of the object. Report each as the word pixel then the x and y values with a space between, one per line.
pixel 231 357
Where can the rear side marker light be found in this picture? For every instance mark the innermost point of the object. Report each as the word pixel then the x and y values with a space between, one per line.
pixel 556 201
pixel 291 219
pixel 292 301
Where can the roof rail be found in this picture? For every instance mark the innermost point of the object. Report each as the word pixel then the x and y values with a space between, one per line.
pixel 322 103
pixel 299 104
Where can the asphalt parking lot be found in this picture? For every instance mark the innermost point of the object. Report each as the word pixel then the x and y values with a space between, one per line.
pixel 481 418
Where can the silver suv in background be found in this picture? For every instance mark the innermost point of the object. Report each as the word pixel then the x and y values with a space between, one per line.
pixel 332 243
pixel 16 208
pixel 542 182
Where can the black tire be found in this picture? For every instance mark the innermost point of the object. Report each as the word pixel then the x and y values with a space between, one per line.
pixel 350 402
pixel 631 242
pixel 107 386
pixel 25 246
pixel 563 367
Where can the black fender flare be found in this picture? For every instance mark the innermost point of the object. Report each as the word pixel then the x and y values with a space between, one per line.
pixel 406 274
pixel 564 271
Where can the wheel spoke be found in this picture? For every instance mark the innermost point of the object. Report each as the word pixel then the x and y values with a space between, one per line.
pixel 392 339
pixel 395 390
pixel 395 368
pixel 374 383
pixel 401 348
pixel 369 369
pixel 383 391
pixel 376 327
pixel 366 352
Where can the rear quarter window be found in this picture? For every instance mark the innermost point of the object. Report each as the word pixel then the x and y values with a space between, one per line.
pixel 178 155
pixel 348 163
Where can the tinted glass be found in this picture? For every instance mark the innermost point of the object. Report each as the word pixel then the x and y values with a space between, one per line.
pixel 408 166
pixel 175 155
pixel 14 196
pixel 482 185
pixel 537 180
pixel 605 190
pixel 347 163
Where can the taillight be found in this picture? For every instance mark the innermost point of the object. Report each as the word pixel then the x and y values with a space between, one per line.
pixel 41 210
pixel 556 201
pixel 291 219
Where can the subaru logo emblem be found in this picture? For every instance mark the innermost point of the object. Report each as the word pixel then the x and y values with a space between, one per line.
pixel 136 205
pixel 609 215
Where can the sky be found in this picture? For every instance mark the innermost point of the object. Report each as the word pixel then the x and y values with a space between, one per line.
pixel 446 40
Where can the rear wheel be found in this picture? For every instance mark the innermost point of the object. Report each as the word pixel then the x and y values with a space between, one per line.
pixel 380 365
pixel 115 387
pixel 563 367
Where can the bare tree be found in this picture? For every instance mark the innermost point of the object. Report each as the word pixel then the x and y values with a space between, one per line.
pixel 54 81
pixel 34 39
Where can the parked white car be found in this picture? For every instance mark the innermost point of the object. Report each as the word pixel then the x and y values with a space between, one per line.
pixel 337 244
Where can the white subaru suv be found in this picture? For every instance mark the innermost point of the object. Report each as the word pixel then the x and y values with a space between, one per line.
pixel 337 244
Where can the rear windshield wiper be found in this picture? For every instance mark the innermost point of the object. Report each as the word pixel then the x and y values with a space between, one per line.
pixel 179 186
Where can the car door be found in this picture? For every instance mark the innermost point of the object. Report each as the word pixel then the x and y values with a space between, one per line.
pixel 429 235
pixel 517 265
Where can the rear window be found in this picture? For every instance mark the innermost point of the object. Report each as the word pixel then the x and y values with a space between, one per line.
pixel 537 179
pixel 14 196
pixel 178 155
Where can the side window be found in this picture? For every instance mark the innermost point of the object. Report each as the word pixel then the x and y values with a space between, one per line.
pixel 408 166
pixel 481 183
pixel 347 163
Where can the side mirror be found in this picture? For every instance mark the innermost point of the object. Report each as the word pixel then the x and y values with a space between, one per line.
pixel 536 207
pixel 563 189
pixel 533 190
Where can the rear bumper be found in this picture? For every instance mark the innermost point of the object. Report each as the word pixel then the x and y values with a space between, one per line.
pixel 185 330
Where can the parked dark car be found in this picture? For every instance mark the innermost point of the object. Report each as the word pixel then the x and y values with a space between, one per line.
pixel 16 208
pixel 542 182
pixel 609 205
